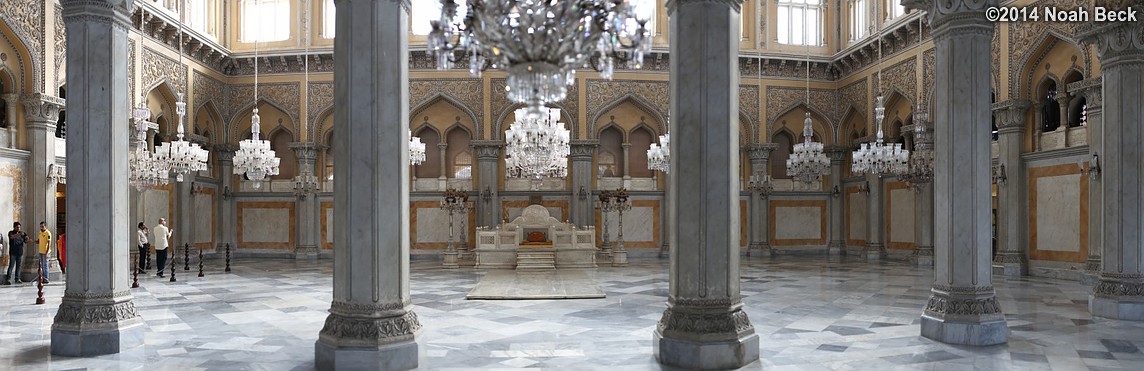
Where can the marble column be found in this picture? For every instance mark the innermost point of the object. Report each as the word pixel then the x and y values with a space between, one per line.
pixel 1091 89
pixel 760 226
pixel 307 222
pixel 1012 207
pixel 963 307
pixel 97 315
pixel 182 230
pixel 371 323
pixel 704 325
pixel 443 180
pixel 837 243
pixel 11 100
pixel 488 154
pixel 227 222
pixel 40 114
pixel 1063 99
pixel 875 219
pixel 1119 294
pixel 580 154
pixel 627 165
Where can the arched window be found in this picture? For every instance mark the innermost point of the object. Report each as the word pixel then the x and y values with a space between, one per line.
pixel 288 163
pixel 62 121
pixel 784 146
pixel 611 140
pixel 328 19
pixel 1077 102
pixel 1050 109
pixel 262 20
pixel 458 153
pixel 800 22
pixel 859 19
pixel 641 140
pixel 431 168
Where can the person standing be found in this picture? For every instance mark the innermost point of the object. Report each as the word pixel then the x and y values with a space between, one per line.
pixel 162 236
pixel 45 241
pixel 16 240
pixel 144 247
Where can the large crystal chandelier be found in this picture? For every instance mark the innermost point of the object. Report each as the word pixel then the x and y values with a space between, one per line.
pixel 254 157
pixel 182 156
pixel 920 167
pixel 879 158
pixel 537 148
pixel 145 169
pixel 416 150
pixel 807 163
pixel 659 155
pixel 540 42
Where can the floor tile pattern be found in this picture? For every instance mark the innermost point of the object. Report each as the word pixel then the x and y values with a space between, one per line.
pixel 811 313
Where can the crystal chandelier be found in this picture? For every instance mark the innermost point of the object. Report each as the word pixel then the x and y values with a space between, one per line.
pixel 145 169
pixel 540 42
pixel 807 163
pixel 919 170
pixel 416 150
pixel 879 158
pixel 537 148
pixel 254 157
pixel 659 155
pixel 182 156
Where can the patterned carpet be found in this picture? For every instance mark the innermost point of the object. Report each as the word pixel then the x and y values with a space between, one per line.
pixel 811 313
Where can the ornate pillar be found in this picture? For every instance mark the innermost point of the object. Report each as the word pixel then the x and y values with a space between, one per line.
pixel 837 243
pixel 923 223
pixel 760 204
pixel 12 100
pixel 963 306
pixel 1120 292
pixel 371 323
pixel 1091 89
pixel 443 179
pixel 1063 98
pixel 97 315
pixel 875 220
pixel 1012 207
pixel 581 153
pixel 627 164
pixel 307 223
pixel 704 325
pixel 488 154
pixel 227 222
pixel 41 112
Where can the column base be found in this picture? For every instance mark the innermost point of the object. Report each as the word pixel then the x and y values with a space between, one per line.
pixel 1118 297
pixel 620 258
pixel 706 355
pixel 836 248
pixel 397 356
pixel 306 253
pixel 88 343
pixel 923 256
pixel 965 333
pixel 874 252
pixel 450 259
pixel 1011 264
pixel 665 249
pixel 764 249
pixel 1093 264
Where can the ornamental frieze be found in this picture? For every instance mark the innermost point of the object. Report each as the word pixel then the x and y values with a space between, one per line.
pixel 159 68
pixel 749 106
pixel 942 306
pixel 207 89
pixel 782 99
pixel 319 98
pixel 902 76
pixel 731 324
pixel 60 46
pixel 371 331
pixel 468 92
pixel 854 95
pixel 73 314
pixel 606 93
pixel 928 65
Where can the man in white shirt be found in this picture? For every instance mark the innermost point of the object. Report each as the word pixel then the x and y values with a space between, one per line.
pixel 161 241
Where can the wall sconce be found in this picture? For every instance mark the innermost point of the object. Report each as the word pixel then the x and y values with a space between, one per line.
pixel 835 192
pixel 196 189
pixel 999 176
pixel 583 194
pixel 864 188
pixel 57 174
pixel 306 184
pixel 226 193
pixel 1093 168
pixel 487 195
pixel 761 184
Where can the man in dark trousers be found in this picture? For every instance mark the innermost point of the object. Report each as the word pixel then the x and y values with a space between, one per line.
pixel 16 240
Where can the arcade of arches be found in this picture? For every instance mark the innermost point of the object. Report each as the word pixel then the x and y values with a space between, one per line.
pixel 1037 213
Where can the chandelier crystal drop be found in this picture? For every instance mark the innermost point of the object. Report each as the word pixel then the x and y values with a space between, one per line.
pixel 807 163
pixel 416 150
pixel 182 156
pixel 537 148
pixel 145 170
pixel 920 168
pixel 540 43
pixel 880 158
pixel 254 156
pixel 659 155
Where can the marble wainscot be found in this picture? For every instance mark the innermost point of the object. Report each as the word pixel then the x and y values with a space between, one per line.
pixel 535 231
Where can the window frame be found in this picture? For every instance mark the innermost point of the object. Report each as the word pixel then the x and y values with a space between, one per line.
pixel 803 6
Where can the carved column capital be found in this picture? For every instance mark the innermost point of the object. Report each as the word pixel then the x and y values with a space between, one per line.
pixel 1011 115
pixel 1116 42
pixel 956 16
pixel 761 152
pixel 42 110
pixel 837 153
pixel 583 149
pixel 115 12
pixel 225 152
pixel 487 150
pixel 306 150
pixel 1091 89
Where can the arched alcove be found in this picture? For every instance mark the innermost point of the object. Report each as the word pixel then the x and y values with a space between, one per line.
pixel 431 168
pixel 610 162
pixel 640 140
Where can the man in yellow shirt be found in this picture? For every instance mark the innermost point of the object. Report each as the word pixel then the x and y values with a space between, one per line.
pixel 45 241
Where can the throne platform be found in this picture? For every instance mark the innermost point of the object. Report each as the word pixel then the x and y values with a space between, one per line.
pixel 535 241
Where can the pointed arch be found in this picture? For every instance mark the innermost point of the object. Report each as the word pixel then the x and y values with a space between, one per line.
pixel 415 110
pixel 899 108
pixel 161 100
pixel 240 120
pixel 785 140
pixel 611 140
pixel 636 100
pixel 208 119
pixel 325 125
pixel 639 141
pixel 27 58
pixel 748 128
pixel 503 120
pixel 1028 64
pixel 822 126
pixel 280 138
pixel 853 123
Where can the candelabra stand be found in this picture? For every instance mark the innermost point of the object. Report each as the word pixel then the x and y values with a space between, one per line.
pixel 463 248
pixel 454 202
pixel 604 204
pixel 620 203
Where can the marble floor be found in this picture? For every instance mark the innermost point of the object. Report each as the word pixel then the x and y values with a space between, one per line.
pixel 510 284
pixel 811 313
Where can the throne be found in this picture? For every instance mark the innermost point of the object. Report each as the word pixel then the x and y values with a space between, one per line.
pixel 535 231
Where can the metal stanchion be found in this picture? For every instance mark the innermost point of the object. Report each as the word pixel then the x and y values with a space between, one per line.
pixel 201 263
pixel 174 258
pixel 40 282
pixel 228 256
pixel 135 275
pixel 186 256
